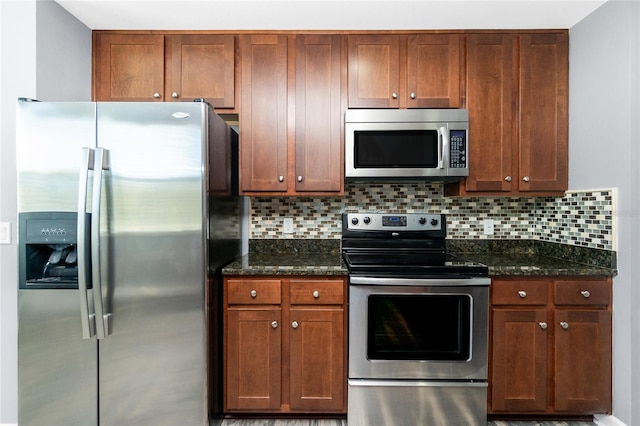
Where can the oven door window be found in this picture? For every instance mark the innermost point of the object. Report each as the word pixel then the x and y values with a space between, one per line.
pixel 396 149
pixel 419 327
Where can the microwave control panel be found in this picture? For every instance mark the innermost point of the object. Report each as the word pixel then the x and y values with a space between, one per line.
pixel 458 149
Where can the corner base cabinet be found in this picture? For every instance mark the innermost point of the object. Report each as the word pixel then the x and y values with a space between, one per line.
pixel 285 345
pixel 551 346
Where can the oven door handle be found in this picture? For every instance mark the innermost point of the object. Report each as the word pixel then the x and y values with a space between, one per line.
pixel 431 282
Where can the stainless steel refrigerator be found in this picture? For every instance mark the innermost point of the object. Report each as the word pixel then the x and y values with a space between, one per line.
pixel 126 214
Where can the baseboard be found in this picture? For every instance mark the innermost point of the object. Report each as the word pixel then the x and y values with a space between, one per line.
pixel 604 420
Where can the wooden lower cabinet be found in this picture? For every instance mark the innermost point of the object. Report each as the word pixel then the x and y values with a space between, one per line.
pixel 550 346
pixel 285 345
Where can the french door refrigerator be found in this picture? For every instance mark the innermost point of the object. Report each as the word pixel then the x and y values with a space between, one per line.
pixel 118 217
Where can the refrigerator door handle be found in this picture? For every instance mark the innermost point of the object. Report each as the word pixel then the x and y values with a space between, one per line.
pixel 100 164
pixel 86 318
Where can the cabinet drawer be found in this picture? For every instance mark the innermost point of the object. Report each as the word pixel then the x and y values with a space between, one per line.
pixel 519 292
pixel 253 292
pixel 582 292
pixel 310 292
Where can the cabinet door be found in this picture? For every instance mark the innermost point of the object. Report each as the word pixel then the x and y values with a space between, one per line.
pixel 583 361
pixel 490 100
pixel 201 66
pixel 318 113
pixel 263 113
pixel 253 359
pixel 544 134
pixel 374 71
pixel 519 361
pixel 128 67
pixel 433 71
pixel 317 359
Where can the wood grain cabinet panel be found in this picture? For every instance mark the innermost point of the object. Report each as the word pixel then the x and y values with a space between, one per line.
pixel 404 71
pixel 263 113
pixel 316 353
pixel 128 67
pixel 291 114
pixel 164 67
pixel 520 345
pixel 552 357
pixel 286 352
pixel 517 97
pixel 253 359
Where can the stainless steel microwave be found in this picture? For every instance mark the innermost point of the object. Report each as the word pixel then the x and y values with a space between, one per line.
pixel 409 144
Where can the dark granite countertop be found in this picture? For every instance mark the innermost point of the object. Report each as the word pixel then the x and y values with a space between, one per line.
pixel 511 257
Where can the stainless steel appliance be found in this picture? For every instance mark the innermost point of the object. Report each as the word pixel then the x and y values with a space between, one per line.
pixel 418 323
pixel 410 144
pixel 126 212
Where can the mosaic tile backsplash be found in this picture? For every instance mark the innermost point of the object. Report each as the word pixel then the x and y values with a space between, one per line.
pixel 581 218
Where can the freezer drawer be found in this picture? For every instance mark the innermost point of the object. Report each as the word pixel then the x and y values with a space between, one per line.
pixel 57 369
pixel 416 402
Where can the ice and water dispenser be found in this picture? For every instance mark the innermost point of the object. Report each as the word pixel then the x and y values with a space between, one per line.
pixel 48 256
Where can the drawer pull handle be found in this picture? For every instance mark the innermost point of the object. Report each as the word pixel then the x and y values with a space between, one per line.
pixel 294 324
pixel 274 324
pixel 253 293
pixel 543 325
pixel 394 95
pixel 522 294
pixel 316 294
pixel 564 325
pixel 586 293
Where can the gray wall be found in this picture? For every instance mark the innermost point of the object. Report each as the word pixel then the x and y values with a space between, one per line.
pixel 604 151
pixel 45 53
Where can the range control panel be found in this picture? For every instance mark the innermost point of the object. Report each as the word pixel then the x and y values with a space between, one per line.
pixel 392 222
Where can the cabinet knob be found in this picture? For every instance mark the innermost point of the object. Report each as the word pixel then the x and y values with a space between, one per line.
pixel 526 179
pixel 299 178
pixel 543 325
pixel 280 178
pixel 316 294
pixel 508 179
pixel 253 293
pixel 295 324
pixel 175 95
pixel 394 95
pixel 413 95
pixel 564 325
pixel 585 293
pixel 522 294
pixel 156 95
pixel 274 324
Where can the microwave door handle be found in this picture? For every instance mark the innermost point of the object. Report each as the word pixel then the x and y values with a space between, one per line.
pixel 443 137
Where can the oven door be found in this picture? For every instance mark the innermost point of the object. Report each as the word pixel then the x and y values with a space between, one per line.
pixel 410 328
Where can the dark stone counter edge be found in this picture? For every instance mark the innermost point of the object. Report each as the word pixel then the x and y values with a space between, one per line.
pixel 503 257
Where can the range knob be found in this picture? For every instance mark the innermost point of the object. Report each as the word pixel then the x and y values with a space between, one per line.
pixel 354 221
pixel 422 221
pixel 367 220
pixel 434 222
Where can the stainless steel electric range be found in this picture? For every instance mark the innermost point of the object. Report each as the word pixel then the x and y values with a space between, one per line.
pixel 418 323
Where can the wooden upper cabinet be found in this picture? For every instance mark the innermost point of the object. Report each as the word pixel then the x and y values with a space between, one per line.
pixel 201 66
pixel 400 71
pixel 291 115
pixel 517 97
pixel 318 125
pixel 374 71
pixel 263 113
pixel 433 71
pixel 128 67
pixel 543 114
pixel 133 67
pixel 490 95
